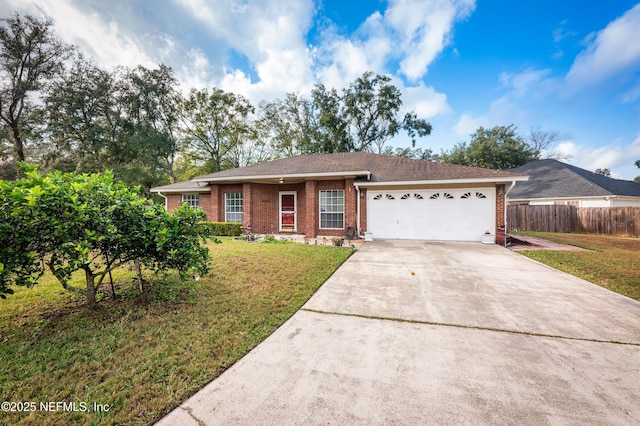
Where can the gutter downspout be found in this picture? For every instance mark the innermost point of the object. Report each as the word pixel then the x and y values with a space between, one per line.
pixel 358 194
pixel 506 194
pixel 166 201
pixel 357 209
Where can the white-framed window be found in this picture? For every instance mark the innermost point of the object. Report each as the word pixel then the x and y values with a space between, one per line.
pixel 193 200
pixel 332 209
pixel 233 207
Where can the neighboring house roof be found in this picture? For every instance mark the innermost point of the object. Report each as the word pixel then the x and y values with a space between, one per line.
pixel 555 179
pixel 370 169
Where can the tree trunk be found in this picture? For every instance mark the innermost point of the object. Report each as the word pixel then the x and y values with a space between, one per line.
pixel 17 141
pixel 143 291
pixel 91 289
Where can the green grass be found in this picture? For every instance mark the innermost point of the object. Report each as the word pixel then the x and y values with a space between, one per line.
pixel 612 263
pixel 144 361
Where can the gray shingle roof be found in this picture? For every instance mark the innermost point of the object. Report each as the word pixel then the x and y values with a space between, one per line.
pixel 382 168
pixel 554 179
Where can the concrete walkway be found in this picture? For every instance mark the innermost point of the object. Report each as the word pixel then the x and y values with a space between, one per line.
pixel 438 333
pixel 522 242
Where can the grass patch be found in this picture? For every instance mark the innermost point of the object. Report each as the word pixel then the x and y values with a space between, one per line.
pixel 613 262
pixel 144 361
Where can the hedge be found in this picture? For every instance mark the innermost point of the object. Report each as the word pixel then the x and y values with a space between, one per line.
pixel 226 229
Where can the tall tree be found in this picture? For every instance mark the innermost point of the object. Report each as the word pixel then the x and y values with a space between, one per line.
pixel 152 116
pixel 371 107
pixel 497 148
pixel 30 56
pixel 284 124
pixel 542 142
pixel 363 118
pixel 329 131
pixel 125 120
pixel 78 114
pixel 215 123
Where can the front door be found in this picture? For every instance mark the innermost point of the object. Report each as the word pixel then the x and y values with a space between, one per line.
pixel 287 212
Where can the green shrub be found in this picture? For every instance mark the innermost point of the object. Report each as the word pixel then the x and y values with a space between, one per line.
pixel 226 229
pixel 66 222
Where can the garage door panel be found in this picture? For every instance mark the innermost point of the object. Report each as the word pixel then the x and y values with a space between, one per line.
pixel 455 214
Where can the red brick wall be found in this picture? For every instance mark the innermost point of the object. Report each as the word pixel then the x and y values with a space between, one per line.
pixel 261 205
pixel 174 201
pixel 247 206
pixel 500 206
pixel 214 214
pixel 264 214
pixel 363 210
pixel 349 205
pixel 263 208
pixel 310 201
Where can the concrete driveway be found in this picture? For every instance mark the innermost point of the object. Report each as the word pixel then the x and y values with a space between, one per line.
pixel 409 332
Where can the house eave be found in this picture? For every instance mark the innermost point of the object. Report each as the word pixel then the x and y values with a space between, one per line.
pixel 181 190
pixel 497 180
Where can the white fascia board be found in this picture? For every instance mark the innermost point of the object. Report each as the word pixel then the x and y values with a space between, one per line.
pixel 445 181
pixel 182 190
pixel 284 176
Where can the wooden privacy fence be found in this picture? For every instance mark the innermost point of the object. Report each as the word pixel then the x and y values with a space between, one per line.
pixel 620 221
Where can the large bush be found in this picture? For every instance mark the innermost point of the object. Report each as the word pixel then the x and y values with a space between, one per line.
pixel 69 222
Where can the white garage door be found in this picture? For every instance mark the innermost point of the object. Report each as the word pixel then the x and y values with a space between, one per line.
pixel 447 214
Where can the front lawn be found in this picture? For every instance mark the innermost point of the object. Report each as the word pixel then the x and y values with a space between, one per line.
pixel 613 263
pixel 139 361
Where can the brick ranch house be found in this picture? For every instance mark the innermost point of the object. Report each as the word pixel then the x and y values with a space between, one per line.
pixel 353 192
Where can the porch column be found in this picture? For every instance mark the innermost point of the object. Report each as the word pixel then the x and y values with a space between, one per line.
pixel 350 204
pixel 214 214
pixel 311 209
pixel 247 204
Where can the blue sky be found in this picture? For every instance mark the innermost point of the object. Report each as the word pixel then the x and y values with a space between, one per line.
pixel 564 66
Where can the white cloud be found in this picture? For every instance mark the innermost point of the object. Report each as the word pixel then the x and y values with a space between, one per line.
pixel 207 43
pixel 194 72
pixel 424 29
pixel 102 40
pixel 616 156
pixel 412 32
pixel 467 125
pixel 271 35
pixel 613 50
pixel 348 61
pixel 424 100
